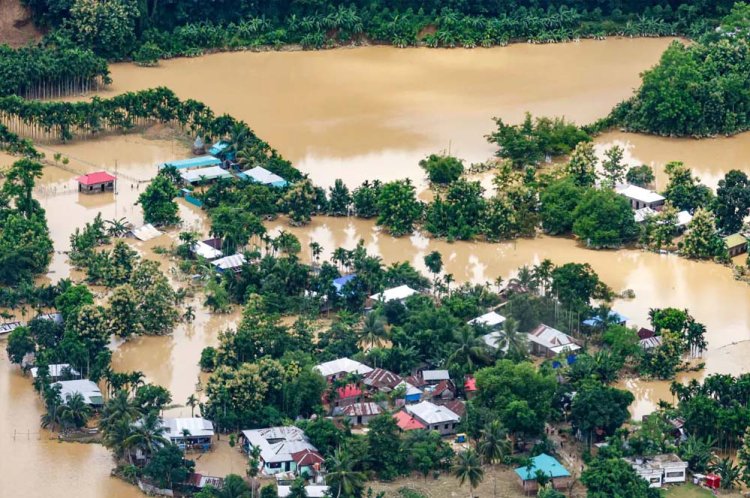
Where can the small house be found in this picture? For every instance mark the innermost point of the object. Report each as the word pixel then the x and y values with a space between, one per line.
pixel 92 396
pixel 347 396
pixel 222 150
pixel 283 449
pixel 400 293
pixel 413 394
pixel 443 390
pixel 146 232
pixel 660 469
pixel 434 377
pixel 339 283
pixel 640 197
pixel 206 251
pixel 94 183
pixel 54 317
pixel 381 380
pixel 8 327
pixel 548 342
pixel 407 422
pixel 341 367
pixel 189 432
pixel 649 343
pixel 231 263
pixel 200 481
pixel 613 317
pixel 644 333
pixel 435 417
pixel 492 321
pixel 192 163
pixel 56 371
pixel 361 413
pixel 683 220
pixel 204 175
pixel 558 475
pixel 264 177
pixel 736 244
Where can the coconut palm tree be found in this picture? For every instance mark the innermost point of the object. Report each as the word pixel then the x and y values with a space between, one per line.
pixel 119 407
pixel 374 332
pixel 192 402
pixel 115 436
pixel 148 435
pixel 512 341
pixel 342 479
pixel 493 444
pixel 75 412
pixel 469 351
pixel 189 314
pixel 468 467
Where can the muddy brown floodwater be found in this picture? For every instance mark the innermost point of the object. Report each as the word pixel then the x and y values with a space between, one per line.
pixel 376 111
pixel 355 114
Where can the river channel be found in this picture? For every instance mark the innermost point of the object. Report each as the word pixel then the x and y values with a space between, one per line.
pixel 361 114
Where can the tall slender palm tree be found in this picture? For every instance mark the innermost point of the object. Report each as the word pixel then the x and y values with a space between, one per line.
pixel 192 402
pixel 342 479
pixel 115 436
pixel 493 444
pixel 468 467
pixel 374 332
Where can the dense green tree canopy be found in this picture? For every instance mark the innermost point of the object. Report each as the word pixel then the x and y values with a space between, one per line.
pixel 604 219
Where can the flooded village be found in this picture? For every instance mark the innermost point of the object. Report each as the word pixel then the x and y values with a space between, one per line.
pixel 356 114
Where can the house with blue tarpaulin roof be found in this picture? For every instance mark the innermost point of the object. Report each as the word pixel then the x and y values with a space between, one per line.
pixel 219 149
pixel 192 163
pixel 263 176
pixel 558 475
pixel 614 317
pixel 340 282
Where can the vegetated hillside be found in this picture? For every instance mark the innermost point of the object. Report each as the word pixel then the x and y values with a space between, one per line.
pixel 16 26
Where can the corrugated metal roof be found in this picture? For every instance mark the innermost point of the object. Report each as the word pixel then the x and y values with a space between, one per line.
pixel 400 292
pixel 229 262
pixel 431 414
pixel 734 240
pixel 342 365
pixel 206 174
pixel 490 319
pixel 146 232
pixel 639 194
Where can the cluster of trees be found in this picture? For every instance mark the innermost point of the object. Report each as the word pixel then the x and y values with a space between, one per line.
pixel 50 71
pixel 131 426
pixel 66 120
pixel 25 245
pixel 698 89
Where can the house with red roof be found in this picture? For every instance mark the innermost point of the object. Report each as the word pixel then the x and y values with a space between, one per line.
pixel 407 422
pixel 347 395
pixel 97 182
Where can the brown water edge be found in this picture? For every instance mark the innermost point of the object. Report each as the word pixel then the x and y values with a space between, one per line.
pixel 710 158
pixel 374 112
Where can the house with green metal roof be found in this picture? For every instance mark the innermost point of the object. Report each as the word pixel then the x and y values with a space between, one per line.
pixel 736 244
pixel 546 465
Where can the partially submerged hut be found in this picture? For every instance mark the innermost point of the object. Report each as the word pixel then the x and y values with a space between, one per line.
pixel 97 182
